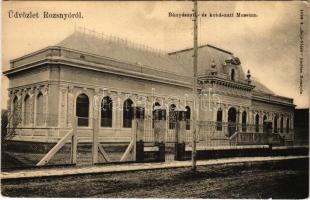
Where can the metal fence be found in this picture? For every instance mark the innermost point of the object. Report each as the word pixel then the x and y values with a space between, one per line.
pixel 27 142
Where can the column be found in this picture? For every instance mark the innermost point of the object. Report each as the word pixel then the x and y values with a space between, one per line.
pixel 70 107
pixel 32 104
pixel 118 111
pixel 44 91
pixel 225 119
pixel 239 121
pixel 114 98
pixel 261 120
pixel 62 120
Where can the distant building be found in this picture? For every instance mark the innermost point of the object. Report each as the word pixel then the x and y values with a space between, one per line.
pixel 90 77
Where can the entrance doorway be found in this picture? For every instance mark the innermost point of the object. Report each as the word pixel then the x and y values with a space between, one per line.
pixel 232 117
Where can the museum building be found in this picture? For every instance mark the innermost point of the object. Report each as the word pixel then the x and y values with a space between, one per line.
pixel 101 80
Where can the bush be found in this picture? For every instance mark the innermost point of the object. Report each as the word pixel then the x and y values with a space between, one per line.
pixel 4 124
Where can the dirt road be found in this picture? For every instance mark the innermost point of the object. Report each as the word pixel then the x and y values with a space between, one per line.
pixel 281 179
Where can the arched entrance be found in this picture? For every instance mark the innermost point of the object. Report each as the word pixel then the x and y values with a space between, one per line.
pixel 232 117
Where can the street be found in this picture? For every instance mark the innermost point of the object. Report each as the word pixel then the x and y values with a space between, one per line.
pixel 273 179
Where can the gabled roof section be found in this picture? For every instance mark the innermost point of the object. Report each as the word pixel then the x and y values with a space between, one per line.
pixel 207 55
pixel 124 51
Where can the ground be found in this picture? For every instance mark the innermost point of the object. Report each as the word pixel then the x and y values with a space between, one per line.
pixel 277 179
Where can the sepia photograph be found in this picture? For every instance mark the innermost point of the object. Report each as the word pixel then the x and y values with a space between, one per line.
pixel 155 99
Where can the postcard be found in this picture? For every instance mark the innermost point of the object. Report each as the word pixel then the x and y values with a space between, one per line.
pixel 155 99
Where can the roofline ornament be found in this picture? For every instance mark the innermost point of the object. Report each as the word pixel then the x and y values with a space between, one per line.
pixel 234 61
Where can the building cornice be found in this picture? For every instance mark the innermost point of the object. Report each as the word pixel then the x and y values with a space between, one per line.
pixel 96 67
pixel 273 99
pixel 69 57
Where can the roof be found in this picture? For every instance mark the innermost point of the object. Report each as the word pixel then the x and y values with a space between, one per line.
pixel 178 62
pixel 207 55
pixel 123 51
pixel 259 87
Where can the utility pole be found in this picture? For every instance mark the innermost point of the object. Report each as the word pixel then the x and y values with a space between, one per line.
pixel 195 106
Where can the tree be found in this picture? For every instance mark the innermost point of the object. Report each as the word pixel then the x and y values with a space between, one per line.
pixel 9 122
pixel 4 124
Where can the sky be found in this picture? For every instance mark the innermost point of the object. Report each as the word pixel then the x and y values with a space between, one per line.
pixel 267 45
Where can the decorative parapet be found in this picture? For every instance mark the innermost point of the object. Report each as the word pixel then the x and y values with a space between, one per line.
pixel 222 81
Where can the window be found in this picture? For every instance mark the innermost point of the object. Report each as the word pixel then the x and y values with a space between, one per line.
pixel 287 125
pixel 188 117
pixel 140 112
pixel 27 110
pixel 275 124
pixel 156 105
pixel 232 119
pixel 257 123
pixel 243 121
pixel 106 112
pixel 39 110
pixel 232 75
pixel 127 113
pixel 82 109
pixel 281 125
pixel 264 123
pixel 219 119
pixel 172 116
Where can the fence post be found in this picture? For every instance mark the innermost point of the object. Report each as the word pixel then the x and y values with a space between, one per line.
pixel 140 151
pixel 95 140
pixel 161 152
pixel 134 134
pixel 269 135
pixel 74 141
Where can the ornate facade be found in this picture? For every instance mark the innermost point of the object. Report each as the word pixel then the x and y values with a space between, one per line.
pixel 99 81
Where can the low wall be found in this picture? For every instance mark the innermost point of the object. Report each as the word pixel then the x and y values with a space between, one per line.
pixel 53 135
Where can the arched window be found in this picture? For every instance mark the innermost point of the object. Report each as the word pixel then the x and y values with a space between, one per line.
pixel 39 110
pixel 232 120
pixel 172 116
pixel 188 118
pixel 287 125
pixel 281 125
pixel 275 124
pixel 127 113
pixel 264 123
pixel 82 109
pixel 243 121
pixel 27 110
pixel 156 105
pixel 15 112
pixel 232 75
pixel 106 112
pixel 257 123
pixel 219 119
